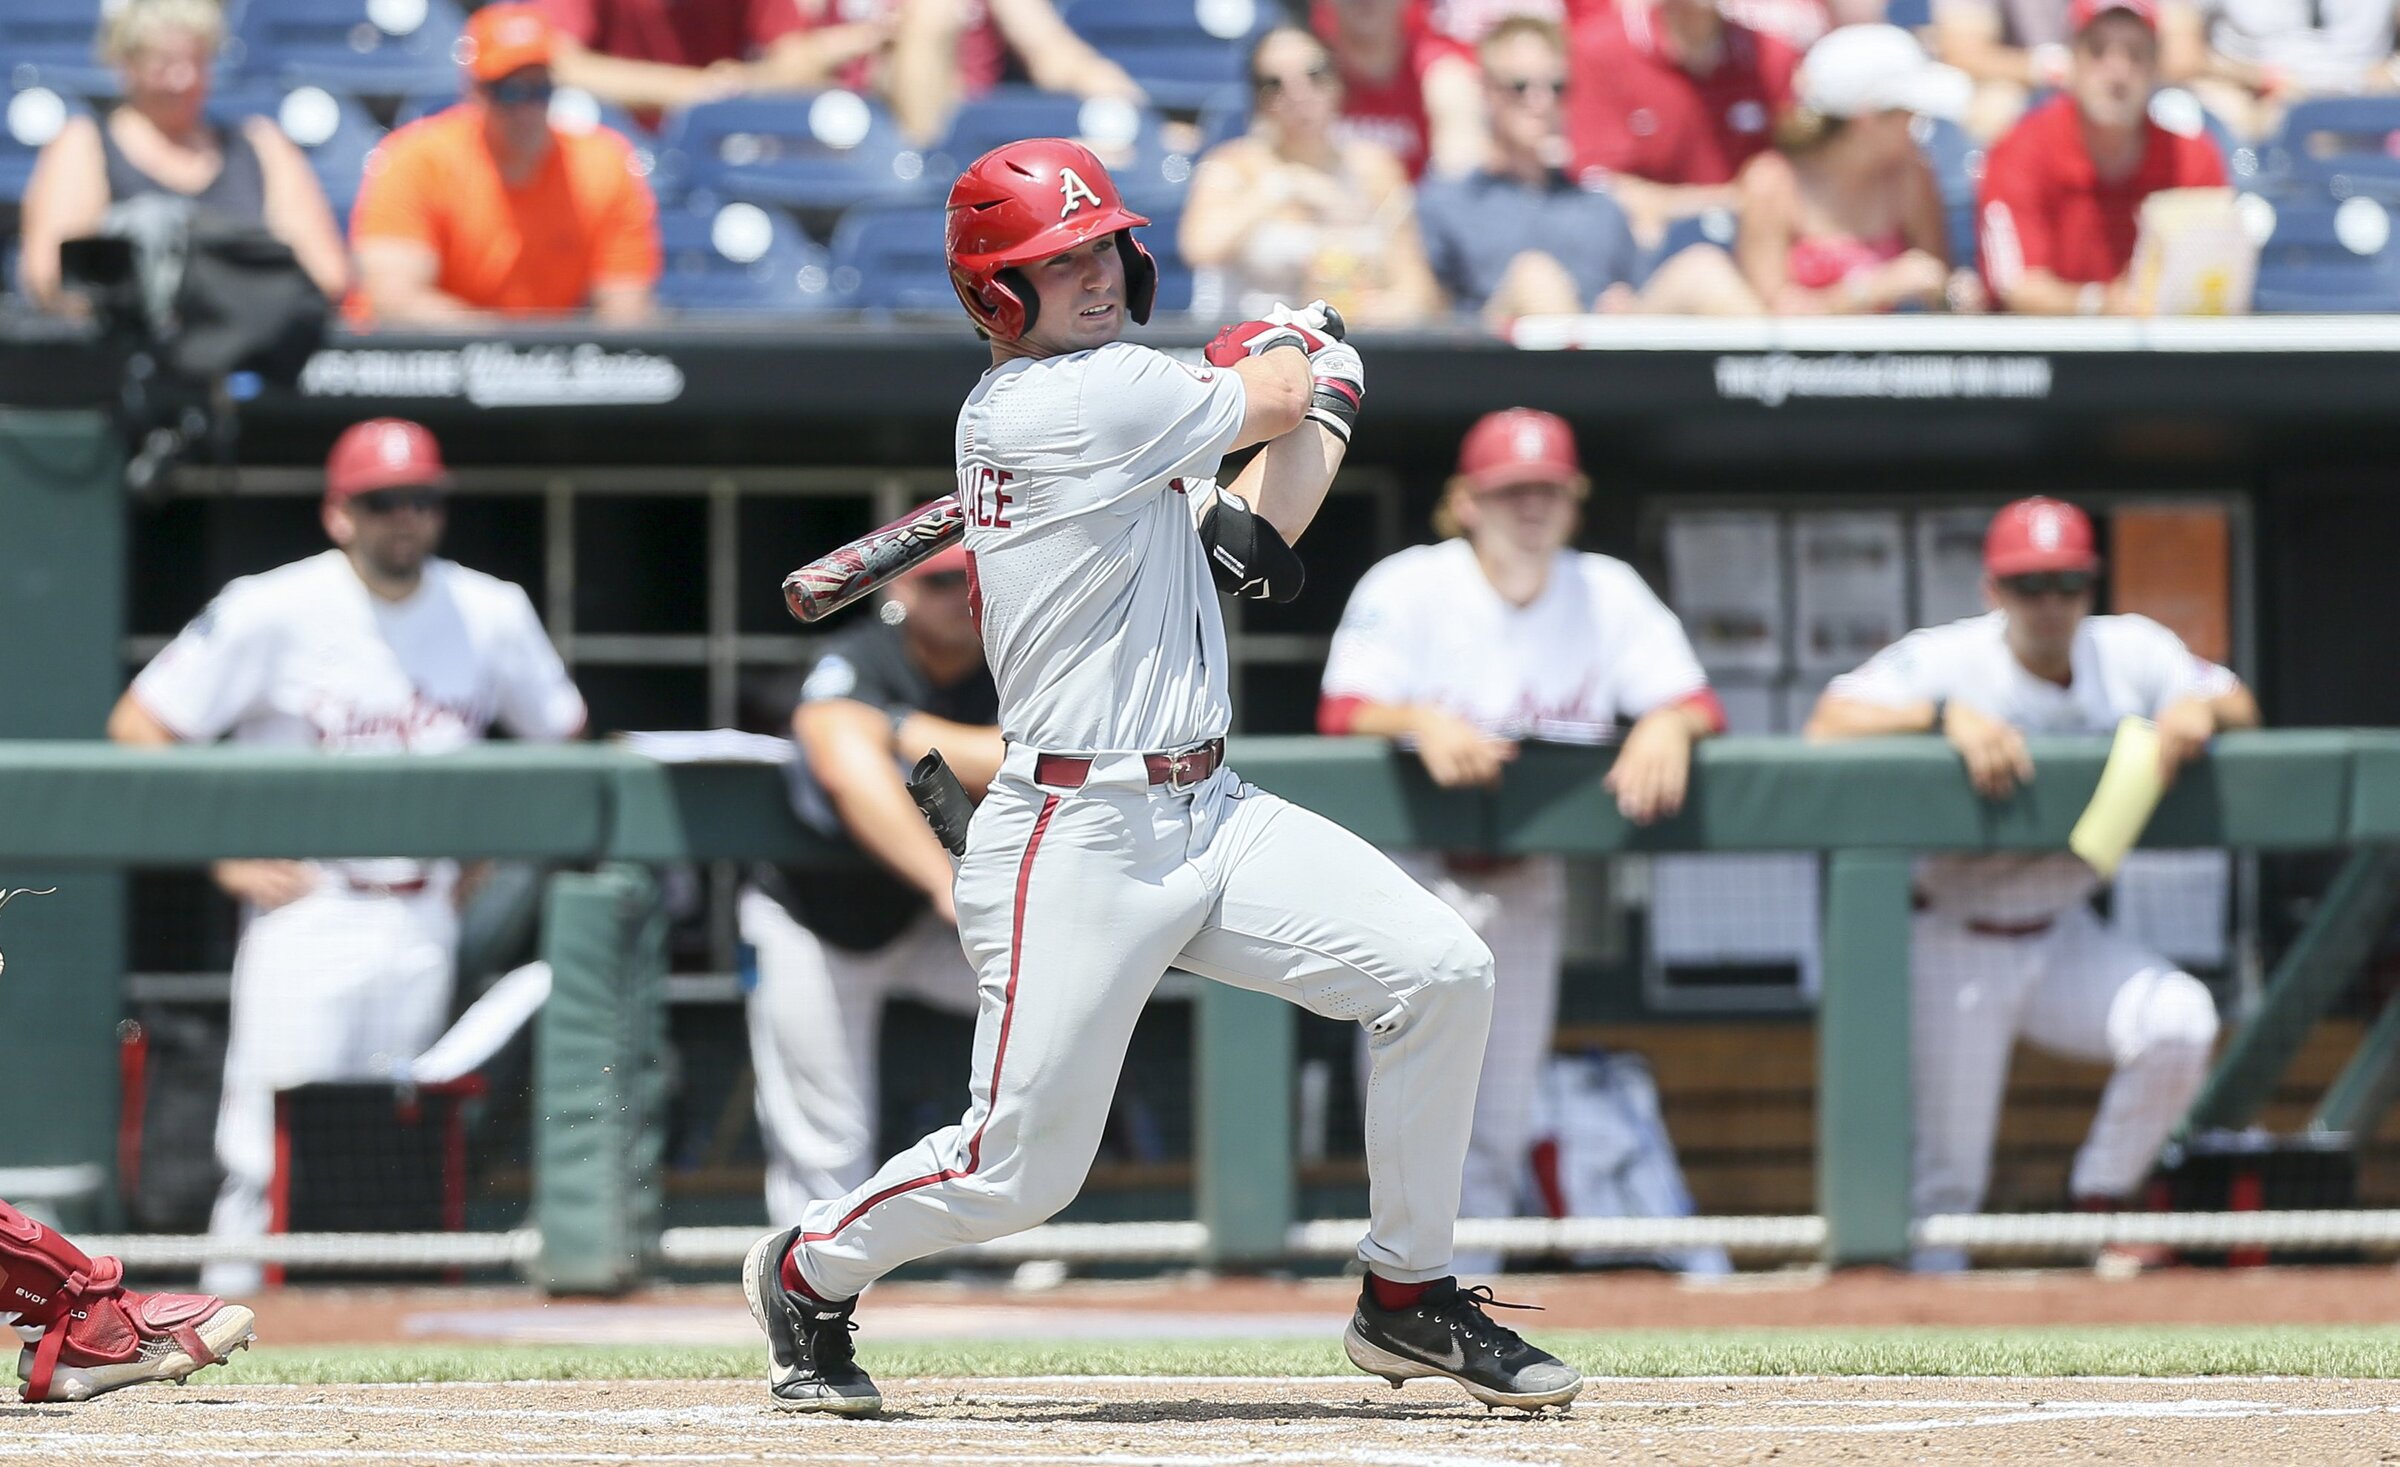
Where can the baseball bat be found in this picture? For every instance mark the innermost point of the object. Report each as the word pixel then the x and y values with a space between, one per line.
pixel 832 581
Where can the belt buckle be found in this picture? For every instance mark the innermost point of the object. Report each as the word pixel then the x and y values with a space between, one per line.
pixel 1179 766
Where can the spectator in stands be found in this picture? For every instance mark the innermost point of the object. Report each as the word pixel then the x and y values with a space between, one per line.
pixel 2061 198
pixel 1517 237
pixel 1405 86
pixel 657 55
pixel 2014 50
pixel 1667 101
pixel 1844 216
pixel 947 51
pixel 1465 650
pixel 484 210
pixel 159 141
pixel 1293 212
pixel 835 945
pixel 2249 60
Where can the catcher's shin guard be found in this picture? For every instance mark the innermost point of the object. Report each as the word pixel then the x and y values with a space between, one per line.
pixel 98 1335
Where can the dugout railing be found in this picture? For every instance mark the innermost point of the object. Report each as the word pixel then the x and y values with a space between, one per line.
pixel 73 813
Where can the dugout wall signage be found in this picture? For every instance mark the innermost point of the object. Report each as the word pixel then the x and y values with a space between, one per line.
pixel 1774 378
pixel 495 374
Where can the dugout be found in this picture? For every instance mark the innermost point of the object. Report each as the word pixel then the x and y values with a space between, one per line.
pixel 650 489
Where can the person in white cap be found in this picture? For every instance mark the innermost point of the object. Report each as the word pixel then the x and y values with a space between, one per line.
pixel 1844 216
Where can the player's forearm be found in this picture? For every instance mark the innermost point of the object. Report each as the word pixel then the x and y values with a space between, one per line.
pixel 1286 483
pixel 1844 718
pixel 972 750
pixel 1276 386
pixel 2236 707
pixel 1390 720
pixel 131 723
pixel 2040 293
pixel 875 808
pixel 1697 717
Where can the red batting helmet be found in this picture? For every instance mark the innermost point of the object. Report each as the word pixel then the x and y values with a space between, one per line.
pixel 1026 201
pixel 384 453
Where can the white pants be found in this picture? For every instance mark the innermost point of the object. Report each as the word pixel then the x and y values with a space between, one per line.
pixel 816 1018
pixel 339 985
pixel 2080 990
pixel 1071 905
pixel 1519 910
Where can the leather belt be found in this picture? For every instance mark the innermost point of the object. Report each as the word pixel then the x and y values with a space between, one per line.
pixel 1475 863
pixel 1178 772
pixel 2033 927
pixel 385 888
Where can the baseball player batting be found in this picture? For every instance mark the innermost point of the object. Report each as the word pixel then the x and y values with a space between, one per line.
pixel 1115 843
pixel 2004 946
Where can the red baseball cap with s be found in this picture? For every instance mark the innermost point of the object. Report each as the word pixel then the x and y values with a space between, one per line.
pixel 2039 534
pixel 1518 446
pixel 384 453
pixel 2082 13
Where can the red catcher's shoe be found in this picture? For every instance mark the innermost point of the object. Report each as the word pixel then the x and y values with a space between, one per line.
pixel 110 1337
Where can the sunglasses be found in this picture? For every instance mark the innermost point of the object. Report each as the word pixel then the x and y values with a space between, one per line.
pixel 391 501
pixel 1525 86
pixel 2050 583
pixel 1318 75
pixel 520 91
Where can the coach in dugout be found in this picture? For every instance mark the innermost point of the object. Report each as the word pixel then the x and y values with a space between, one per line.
pixel 377 646
pixel 1499 634
pixel 835 944
pixel 2060 205
pixel 2008 945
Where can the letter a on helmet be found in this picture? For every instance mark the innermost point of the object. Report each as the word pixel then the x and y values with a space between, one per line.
pixel 1024 202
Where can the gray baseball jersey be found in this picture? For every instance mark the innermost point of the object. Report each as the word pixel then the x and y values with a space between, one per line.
pixel 1100 620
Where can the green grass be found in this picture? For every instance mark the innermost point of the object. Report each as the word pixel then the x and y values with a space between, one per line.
pixel 2347 1351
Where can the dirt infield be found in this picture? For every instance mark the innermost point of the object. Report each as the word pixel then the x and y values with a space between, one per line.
pixel 1223 1423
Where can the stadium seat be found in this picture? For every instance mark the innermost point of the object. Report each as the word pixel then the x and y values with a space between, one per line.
pixel 1183 52
pixel 1127 138
pixel 2328 256
pixel 890 258
pixel 53 43
pixel 336 133
pixel 32 116
pixel 2342 145
pixel 1710 226
pixel 366 48
pixel 1957 161
pixel 819 151
pixel 740 257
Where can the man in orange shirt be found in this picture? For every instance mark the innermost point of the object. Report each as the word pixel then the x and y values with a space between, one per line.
pixel 484 210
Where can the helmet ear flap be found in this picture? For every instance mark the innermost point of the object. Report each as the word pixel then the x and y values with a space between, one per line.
pixel 1010 284
pixel 1141 277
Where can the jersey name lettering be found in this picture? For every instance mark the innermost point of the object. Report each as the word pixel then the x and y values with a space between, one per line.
pixel 985 491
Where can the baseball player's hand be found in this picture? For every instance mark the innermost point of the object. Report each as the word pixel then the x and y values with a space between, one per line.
pixel 1457 753
pixel 2184 729
pixel 1995 752
pixel 1249 338
pixel 265 885
pixel 1652 770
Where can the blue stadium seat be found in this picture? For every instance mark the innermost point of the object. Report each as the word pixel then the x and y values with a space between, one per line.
pixel 1183 52
pixel 2343 145
pixel 740 258
pixel 2329 257
pixel 1957 161
pixel 1128 138
pixel 1710 226
pixel 1174 276
pixel 342 45
pixel 336 133
pixel 29 117
pixel 53 43
pixel 812 151
pixel 889 258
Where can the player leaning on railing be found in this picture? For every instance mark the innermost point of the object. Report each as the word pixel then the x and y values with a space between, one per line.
pixel 1115 843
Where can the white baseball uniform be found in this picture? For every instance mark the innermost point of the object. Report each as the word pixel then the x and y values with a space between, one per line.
pixel 2007 945
pixel 353 978
pixel 834 946
pixel 1593 652
pixel 1103 631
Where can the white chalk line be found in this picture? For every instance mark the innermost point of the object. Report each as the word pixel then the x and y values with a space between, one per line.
pixel 89 1449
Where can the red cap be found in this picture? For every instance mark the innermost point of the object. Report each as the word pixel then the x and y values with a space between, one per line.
pixel 383 453
pixel 948 558
pixel 1518 446
pixel 2039 534
pixel 2082 13
pixel 505 38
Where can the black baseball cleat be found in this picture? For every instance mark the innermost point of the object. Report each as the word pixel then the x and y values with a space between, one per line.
pixel 1446 1334
pixel 810 1363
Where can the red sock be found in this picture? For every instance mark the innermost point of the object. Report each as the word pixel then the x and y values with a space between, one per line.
pixel 789 1273
pixel 1389 1295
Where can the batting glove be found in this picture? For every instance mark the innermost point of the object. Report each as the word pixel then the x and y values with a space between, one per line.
pixel 1250 338
pixel 1340 388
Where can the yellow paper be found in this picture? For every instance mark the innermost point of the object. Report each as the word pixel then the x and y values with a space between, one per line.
pixel 2129 790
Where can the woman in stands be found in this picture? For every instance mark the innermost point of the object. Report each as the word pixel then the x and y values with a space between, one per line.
pixel 1293 212
pixel 1844 216
pixel 160 141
